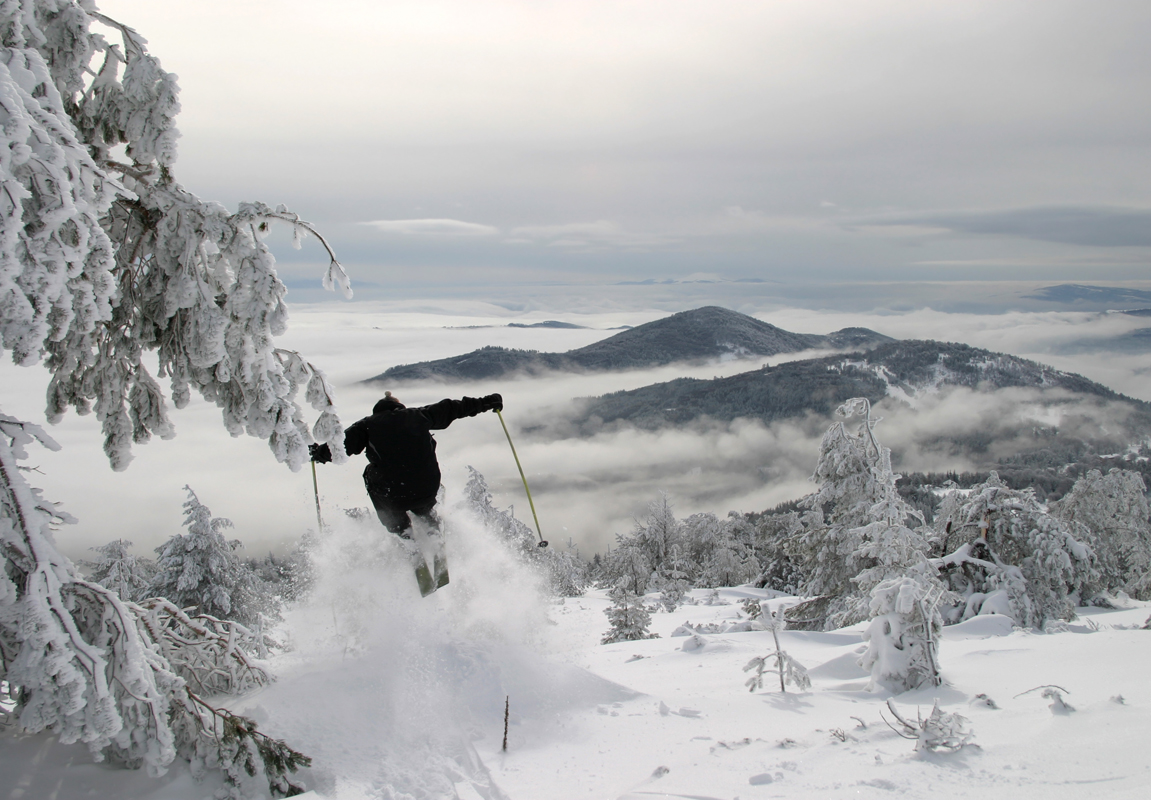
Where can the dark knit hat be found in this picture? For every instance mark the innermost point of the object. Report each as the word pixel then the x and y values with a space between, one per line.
pixel 388 401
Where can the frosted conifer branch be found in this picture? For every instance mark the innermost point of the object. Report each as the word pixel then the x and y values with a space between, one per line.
pixel 102 259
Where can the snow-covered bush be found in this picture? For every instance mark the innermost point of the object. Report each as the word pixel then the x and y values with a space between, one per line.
pixel 779 662
pixel 903 635
pixel 939 731
pixel 566 572
pixel 1013 550
pixel 628 616
pixel 478 500
pixel 73 648
pixel 289 577
pixel 1112 512
pixel 126 574
pixel 200 568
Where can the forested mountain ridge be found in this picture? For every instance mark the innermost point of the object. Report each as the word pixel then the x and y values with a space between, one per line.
pixel 696 335
pixel 899 368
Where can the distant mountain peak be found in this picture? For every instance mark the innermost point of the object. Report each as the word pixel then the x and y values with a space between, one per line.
pixel 698 334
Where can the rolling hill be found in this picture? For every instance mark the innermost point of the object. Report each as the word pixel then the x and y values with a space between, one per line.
pixel 696 335
pixel 818 385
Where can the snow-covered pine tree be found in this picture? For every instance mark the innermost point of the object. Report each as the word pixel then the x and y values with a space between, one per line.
pixel 628 616
pixel 629 564
pixel 1112 511
pixel 128 575
pixel 729 564
pixel 701 533
pixel 903 635
pixel 478 500
pixel 857 532
pixel 776 537
pixel 564 572
pixel 674 585
pixel 657 534
pixel 200 569
pixel 1014 557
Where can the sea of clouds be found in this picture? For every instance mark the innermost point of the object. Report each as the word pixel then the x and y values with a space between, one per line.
pixel 586 489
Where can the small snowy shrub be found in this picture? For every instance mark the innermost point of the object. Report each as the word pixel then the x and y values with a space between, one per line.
pixel 1058 706
pixel 939 731
pixel 788 669
pixel 902 637
pixel 628 616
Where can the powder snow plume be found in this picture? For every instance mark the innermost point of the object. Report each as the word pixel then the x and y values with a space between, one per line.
pixel 386 690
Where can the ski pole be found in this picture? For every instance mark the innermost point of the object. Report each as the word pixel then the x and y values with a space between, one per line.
pixel 543 542
pixel 316 488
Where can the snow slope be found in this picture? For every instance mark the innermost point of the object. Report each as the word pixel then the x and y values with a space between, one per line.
pixel 395 696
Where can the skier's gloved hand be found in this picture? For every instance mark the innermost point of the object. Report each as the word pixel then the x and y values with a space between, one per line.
pixel 493 402
pixel 320 453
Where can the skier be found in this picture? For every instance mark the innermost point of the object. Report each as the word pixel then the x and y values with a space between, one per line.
pixel 403 474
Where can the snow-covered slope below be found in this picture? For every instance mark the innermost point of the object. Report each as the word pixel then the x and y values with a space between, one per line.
pixel 718 741
pixel 400 697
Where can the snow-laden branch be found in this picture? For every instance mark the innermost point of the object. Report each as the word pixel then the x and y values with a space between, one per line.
pixel 105 257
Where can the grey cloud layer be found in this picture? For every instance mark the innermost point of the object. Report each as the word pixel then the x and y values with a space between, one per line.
pixel 636 127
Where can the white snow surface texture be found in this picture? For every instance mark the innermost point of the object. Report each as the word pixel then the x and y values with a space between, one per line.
pixel 397 697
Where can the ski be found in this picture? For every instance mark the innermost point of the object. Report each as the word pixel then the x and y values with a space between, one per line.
pixel 429 560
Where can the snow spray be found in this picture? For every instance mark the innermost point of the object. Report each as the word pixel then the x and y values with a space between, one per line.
pixel 390 693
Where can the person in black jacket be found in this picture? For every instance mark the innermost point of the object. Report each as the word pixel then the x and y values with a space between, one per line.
pixel 403 474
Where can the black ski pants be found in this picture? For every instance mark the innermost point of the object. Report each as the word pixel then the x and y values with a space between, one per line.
pixel 393 511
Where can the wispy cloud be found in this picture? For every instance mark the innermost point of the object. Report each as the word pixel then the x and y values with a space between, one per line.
pixel 1094 226
pixel 599 229
pixel 591 236
pixel 432 227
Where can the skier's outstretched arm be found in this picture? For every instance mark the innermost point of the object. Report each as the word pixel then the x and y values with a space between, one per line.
pixel 442 414
pixel 355 442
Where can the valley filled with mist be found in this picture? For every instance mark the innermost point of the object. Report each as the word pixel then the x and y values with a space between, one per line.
pixel 590 480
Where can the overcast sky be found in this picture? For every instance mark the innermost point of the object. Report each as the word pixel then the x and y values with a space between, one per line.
pixel 487 143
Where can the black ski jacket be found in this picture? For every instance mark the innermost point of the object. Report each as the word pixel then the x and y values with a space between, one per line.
pixel 401 449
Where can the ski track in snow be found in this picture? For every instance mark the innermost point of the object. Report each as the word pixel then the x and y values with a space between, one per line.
pixel 399 697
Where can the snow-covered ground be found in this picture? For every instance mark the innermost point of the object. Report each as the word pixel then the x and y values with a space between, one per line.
pixel 395 696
